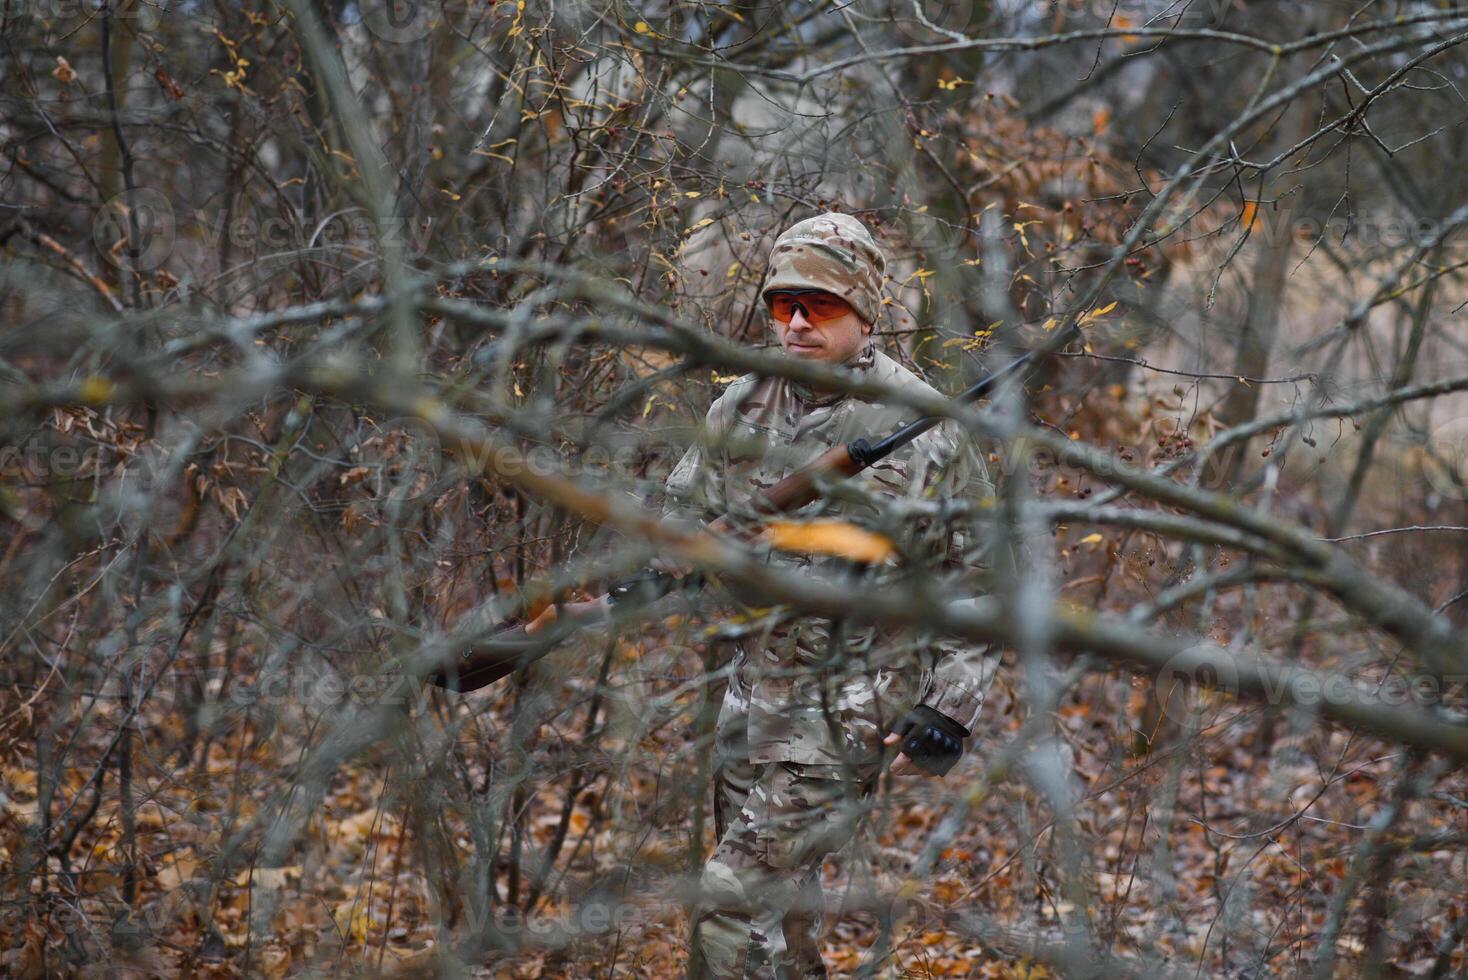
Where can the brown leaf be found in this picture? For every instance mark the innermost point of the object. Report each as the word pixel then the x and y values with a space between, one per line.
pixel 169 86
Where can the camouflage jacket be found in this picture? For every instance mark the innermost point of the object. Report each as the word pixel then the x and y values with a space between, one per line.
pixel 811 700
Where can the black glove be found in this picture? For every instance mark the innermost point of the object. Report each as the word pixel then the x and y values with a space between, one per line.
pixel 649 585
pixel 932 740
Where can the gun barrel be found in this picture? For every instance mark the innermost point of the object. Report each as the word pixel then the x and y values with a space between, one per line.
pixel 868 453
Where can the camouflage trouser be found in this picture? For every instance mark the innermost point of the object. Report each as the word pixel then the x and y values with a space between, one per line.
pixel 759 914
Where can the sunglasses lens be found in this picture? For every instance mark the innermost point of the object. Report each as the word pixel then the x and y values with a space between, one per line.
pixel 817 307
pixel 824 306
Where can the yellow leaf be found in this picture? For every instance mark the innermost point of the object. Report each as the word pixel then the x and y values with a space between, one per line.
pixel 835 538
pixel 267 878
pixel 356 827
pixel 641 27
pixel 1093 538
pixel 95 391
pixel 275 961
pixel 1103 310
pixel 178 872
pixel 1248 215
pixel 19 780
pixel 352 919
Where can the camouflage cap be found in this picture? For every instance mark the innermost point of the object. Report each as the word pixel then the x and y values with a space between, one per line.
pixel 833 252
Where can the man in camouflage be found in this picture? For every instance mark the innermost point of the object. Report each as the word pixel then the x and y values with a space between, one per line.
pixel 812 704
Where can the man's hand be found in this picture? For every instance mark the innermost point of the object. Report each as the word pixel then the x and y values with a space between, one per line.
pixel 931 742
pixel 671 566
pixel 589 610
pixel 902 765
pixel 681 569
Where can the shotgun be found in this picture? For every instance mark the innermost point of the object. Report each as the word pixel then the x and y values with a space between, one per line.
pixel 517 646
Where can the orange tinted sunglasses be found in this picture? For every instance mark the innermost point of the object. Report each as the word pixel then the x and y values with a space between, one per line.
pixel 817 306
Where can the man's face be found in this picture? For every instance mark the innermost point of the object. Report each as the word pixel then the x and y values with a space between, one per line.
pixel 816 325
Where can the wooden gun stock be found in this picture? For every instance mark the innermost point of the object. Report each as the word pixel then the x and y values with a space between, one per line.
pixel 479 669
pixel 800 487
pixel 507 650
